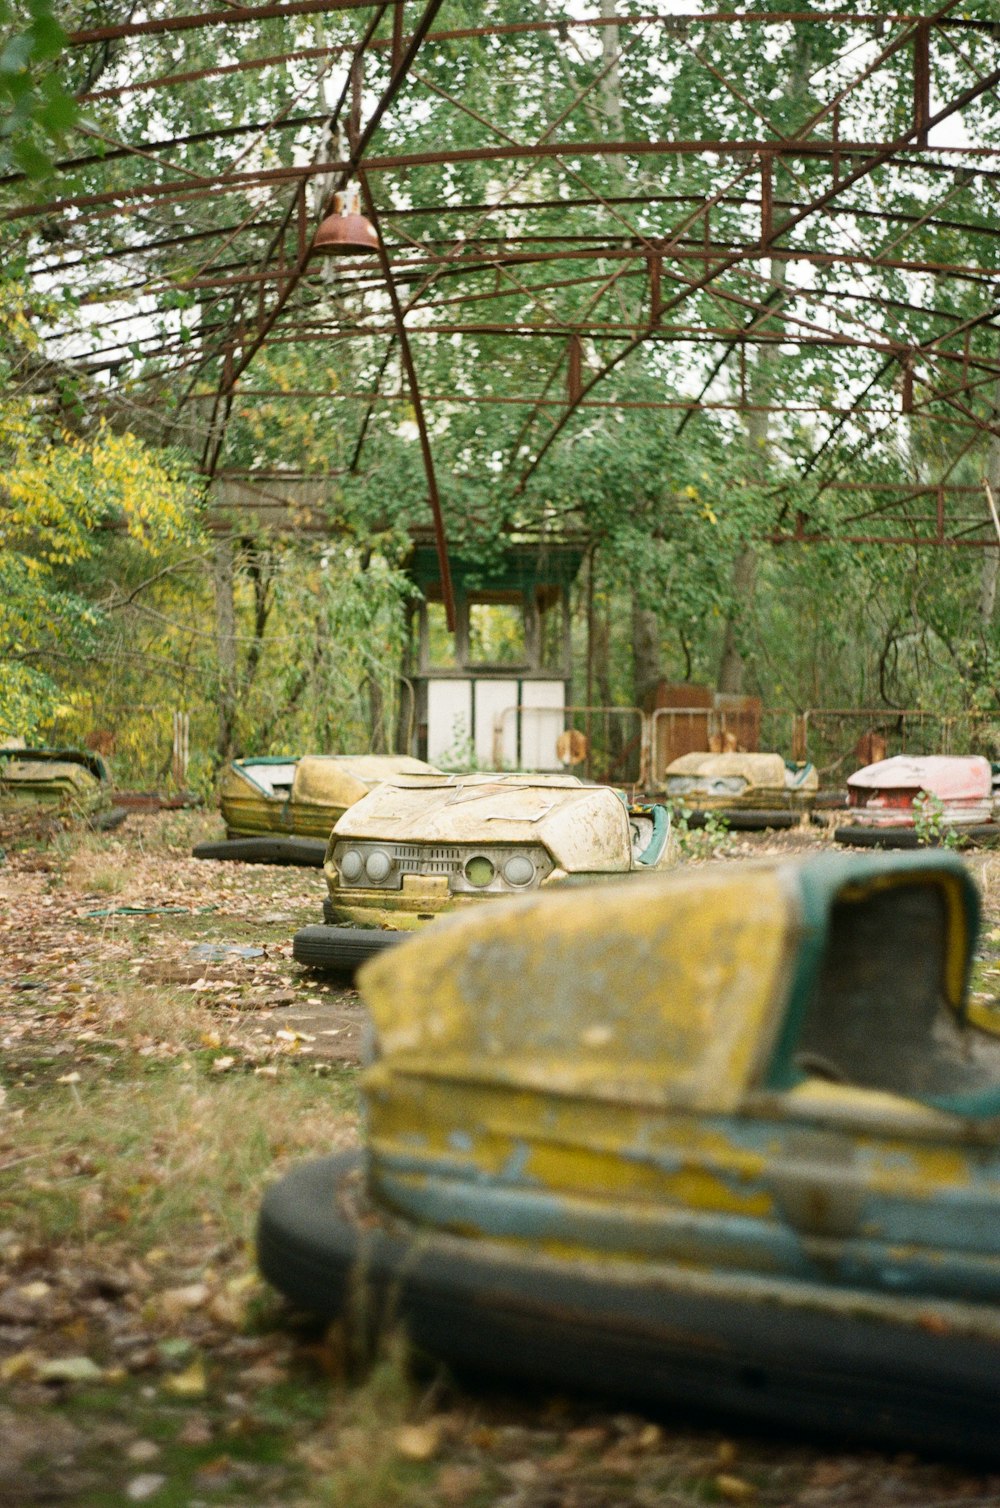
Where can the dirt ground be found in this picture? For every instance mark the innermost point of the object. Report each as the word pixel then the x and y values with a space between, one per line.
pixel 162 1059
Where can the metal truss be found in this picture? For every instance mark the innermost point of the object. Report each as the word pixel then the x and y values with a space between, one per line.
pixel 859 243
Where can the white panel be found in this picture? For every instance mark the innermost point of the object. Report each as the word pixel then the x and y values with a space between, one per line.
pixel 492 698
pixel 449 721
pixel 540 730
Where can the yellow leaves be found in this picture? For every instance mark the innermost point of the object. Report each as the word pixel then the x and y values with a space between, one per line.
pixel 191 1383
pixel 62 491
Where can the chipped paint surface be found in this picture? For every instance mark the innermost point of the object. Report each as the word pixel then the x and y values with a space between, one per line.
pixel 577 832
pixel 586 1074
pixel 885 793
pixel 583 827
pixel 322 787
pixel 51 781
pixel 738 780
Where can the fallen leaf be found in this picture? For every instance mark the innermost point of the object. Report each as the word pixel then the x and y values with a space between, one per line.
pixel 173 1302
pixel 191 1383
pixel 222 1065
pixel 143 1487
pixel 457 1483
pixel 195 1432
pixel 142 1451
pixel 69 1369
pixel 21 1364
pixel 418 1442
pixel 34 1292
pixel 734 1489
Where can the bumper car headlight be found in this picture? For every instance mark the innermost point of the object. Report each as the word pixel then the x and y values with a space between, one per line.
pixel 519 870
pixel 378 865
pixel 479 870
pixel 350 865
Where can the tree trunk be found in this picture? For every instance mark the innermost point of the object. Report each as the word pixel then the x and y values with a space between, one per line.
pixel 732 665
pixel 647 636
pixel 223 576
pixel 647 659
pixel 760 382
pixel 731 662
pixel 377 743
pixel 990 570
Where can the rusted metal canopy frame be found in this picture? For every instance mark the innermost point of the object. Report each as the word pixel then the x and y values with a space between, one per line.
pixel 608 253
pixel 513 28
pixel 252 13
pixel 173 191
pixel 296 209
pixel 266 321
pixel 392 214
pixel 399 72
pixel 402 338
pixel 917 131
pixel 762 310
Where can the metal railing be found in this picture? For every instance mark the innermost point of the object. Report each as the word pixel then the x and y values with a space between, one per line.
pixel 615 752
pixel 623 743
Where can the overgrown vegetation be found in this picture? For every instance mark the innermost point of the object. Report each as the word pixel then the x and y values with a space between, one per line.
pixel 277 623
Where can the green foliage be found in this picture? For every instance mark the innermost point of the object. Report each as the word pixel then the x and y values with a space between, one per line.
pixel 668 500
pixel 36 109
pixel 928 820
pixel 700 842
pixel 59 492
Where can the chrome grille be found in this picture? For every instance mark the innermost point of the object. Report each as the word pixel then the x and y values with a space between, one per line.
pixel 444 860
pixel 417 858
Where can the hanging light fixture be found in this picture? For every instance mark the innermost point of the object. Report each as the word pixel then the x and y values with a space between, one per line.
pixel 345 232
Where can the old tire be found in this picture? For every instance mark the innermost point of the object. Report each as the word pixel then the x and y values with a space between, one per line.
pixel 660 1339
pixel 107 822
pixel 745 820
pixel 307 852
pixel 341 950
pixel 907 837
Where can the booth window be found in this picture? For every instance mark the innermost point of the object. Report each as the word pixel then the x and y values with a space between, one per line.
pixel 440 642
pixel 496 633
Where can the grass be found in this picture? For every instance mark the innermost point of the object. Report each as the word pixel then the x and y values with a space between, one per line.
pixel 131 1172
pixel 151 1158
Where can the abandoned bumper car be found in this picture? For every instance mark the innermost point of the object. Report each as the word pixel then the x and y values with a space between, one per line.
pixel 280 810
pixel 747 791
pixel 421 845
pixel 74 782
pixel 721 1138
pixel 911 801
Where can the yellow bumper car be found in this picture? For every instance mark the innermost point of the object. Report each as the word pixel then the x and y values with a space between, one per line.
pixel 419 846
pixel 747 791
pixel 71 781
pixel 719 1138
pixel 280 810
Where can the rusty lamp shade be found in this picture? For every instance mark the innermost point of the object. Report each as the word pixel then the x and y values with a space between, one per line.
pixel 345 232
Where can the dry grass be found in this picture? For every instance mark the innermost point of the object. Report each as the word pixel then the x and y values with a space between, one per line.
pixel 172 1154
pixel 131 1172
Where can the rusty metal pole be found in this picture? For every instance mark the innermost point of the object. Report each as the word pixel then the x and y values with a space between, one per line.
pixel 434 497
